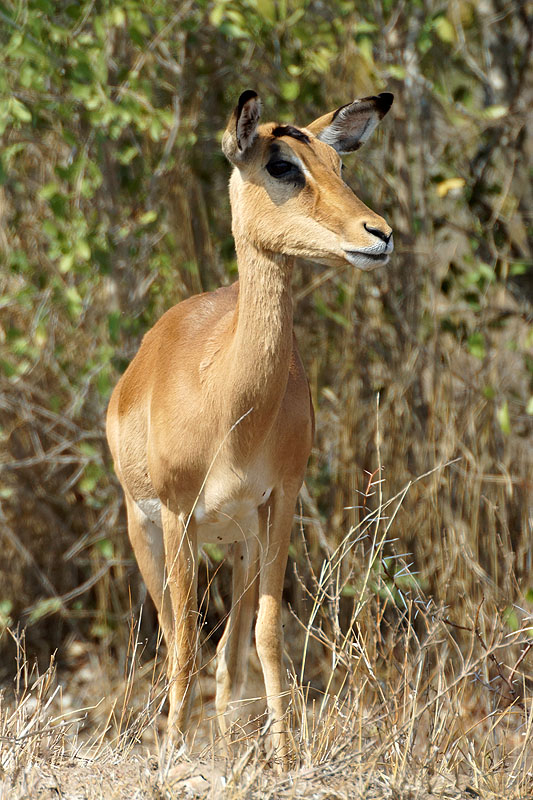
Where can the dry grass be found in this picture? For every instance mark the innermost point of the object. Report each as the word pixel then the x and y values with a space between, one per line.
pixel 402 702
pixel 409 600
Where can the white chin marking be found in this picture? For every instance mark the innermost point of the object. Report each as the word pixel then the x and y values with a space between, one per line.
pixel 361 262
pixel 151 509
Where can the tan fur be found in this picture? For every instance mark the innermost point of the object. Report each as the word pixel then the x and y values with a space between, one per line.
pixel 211 425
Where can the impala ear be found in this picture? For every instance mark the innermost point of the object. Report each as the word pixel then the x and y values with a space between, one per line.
pixel 349 127
pixel 240 134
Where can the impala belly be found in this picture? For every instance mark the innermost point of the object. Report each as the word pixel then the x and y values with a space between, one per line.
pixel 234 522
pixel 218 519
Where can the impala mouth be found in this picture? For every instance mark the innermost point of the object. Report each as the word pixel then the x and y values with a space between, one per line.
pixel 366 261
pixel 372 257
pixel 360 254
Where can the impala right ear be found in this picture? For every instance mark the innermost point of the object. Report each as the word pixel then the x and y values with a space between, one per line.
pixel 241 132
pixel 349 127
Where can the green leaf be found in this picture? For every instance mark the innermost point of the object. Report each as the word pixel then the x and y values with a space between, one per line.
pixel 444 29
pixel 503 418
pixel 266 10
pixel 7 368
pixel 91 475
pixel 295 17
pixel 105 546
pixel 6 607
pixel 50 605
pixel 495 112
pixel 117 17
pixel 127 155
pixel 476 345
pixel 364 26
pixel 66 262
pixel 88 449
pixel 529 407
pixel 366 48
pixel 289 90
pixel 74 301
pixel 519 268
pixel 424 42
pixel 50 229
pixel 48 190
pixel 155 129
pixel 148 217
pixel 396 71
pixel 83 250
pixel 100 630
pixel 104 384
pixel 20 111
pixel 217 15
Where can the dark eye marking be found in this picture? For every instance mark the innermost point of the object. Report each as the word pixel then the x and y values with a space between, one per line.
pixel 283 169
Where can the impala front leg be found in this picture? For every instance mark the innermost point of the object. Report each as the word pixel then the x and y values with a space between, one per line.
pixel 181 577
pixel 276 524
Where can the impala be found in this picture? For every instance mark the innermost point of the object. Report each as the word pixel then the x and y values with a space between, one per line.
pixel 211 425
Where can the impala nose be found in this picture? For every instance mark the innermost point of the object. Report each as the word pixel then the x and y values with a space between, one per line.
pixel 380 234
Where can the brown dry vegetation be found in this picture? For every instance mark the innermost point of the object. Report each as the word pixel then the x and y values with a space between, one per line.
pixel 410 584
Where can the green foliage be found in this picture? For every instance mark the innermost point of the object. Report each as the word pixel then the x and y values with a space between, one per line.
pixel 504 419
pixel 45 607
pixel 113 199
pixel 6 607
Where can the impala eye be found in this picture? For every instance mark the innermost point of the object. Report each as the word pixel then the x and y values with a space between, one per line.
pixel 282 169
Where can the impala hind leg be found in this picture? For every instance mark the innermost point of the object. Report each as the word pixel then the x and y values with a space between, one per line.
pixel 232 650
pixel 276 523
pixel 147 542
pixel 181 559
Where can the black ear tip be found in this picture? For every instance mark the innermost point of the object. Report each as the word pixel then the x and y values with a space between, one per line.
pixel 385 100
pixel 249 94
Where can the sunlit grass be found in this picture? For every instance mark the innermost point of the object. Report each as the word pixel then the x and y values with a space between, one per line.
pixel 388 696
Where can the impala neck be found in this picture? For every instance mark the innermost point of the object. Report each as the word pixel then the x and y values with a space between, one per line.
pixel 262 343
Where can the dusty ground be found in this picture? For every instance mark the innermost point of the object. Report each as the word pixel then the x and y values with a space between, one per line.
pixel 145 778
pixel 432 729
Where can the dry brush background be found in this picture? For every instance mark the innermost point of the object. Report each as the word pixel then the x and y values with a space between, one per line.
pixel 410 584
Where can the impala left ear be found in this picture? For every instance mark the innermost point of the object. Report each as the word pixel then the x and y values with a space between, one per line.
pixel 240 134
pixel 349 127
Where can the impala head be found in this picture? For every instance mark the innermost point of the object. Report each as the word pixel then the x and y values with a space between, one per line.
pixel 287 192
